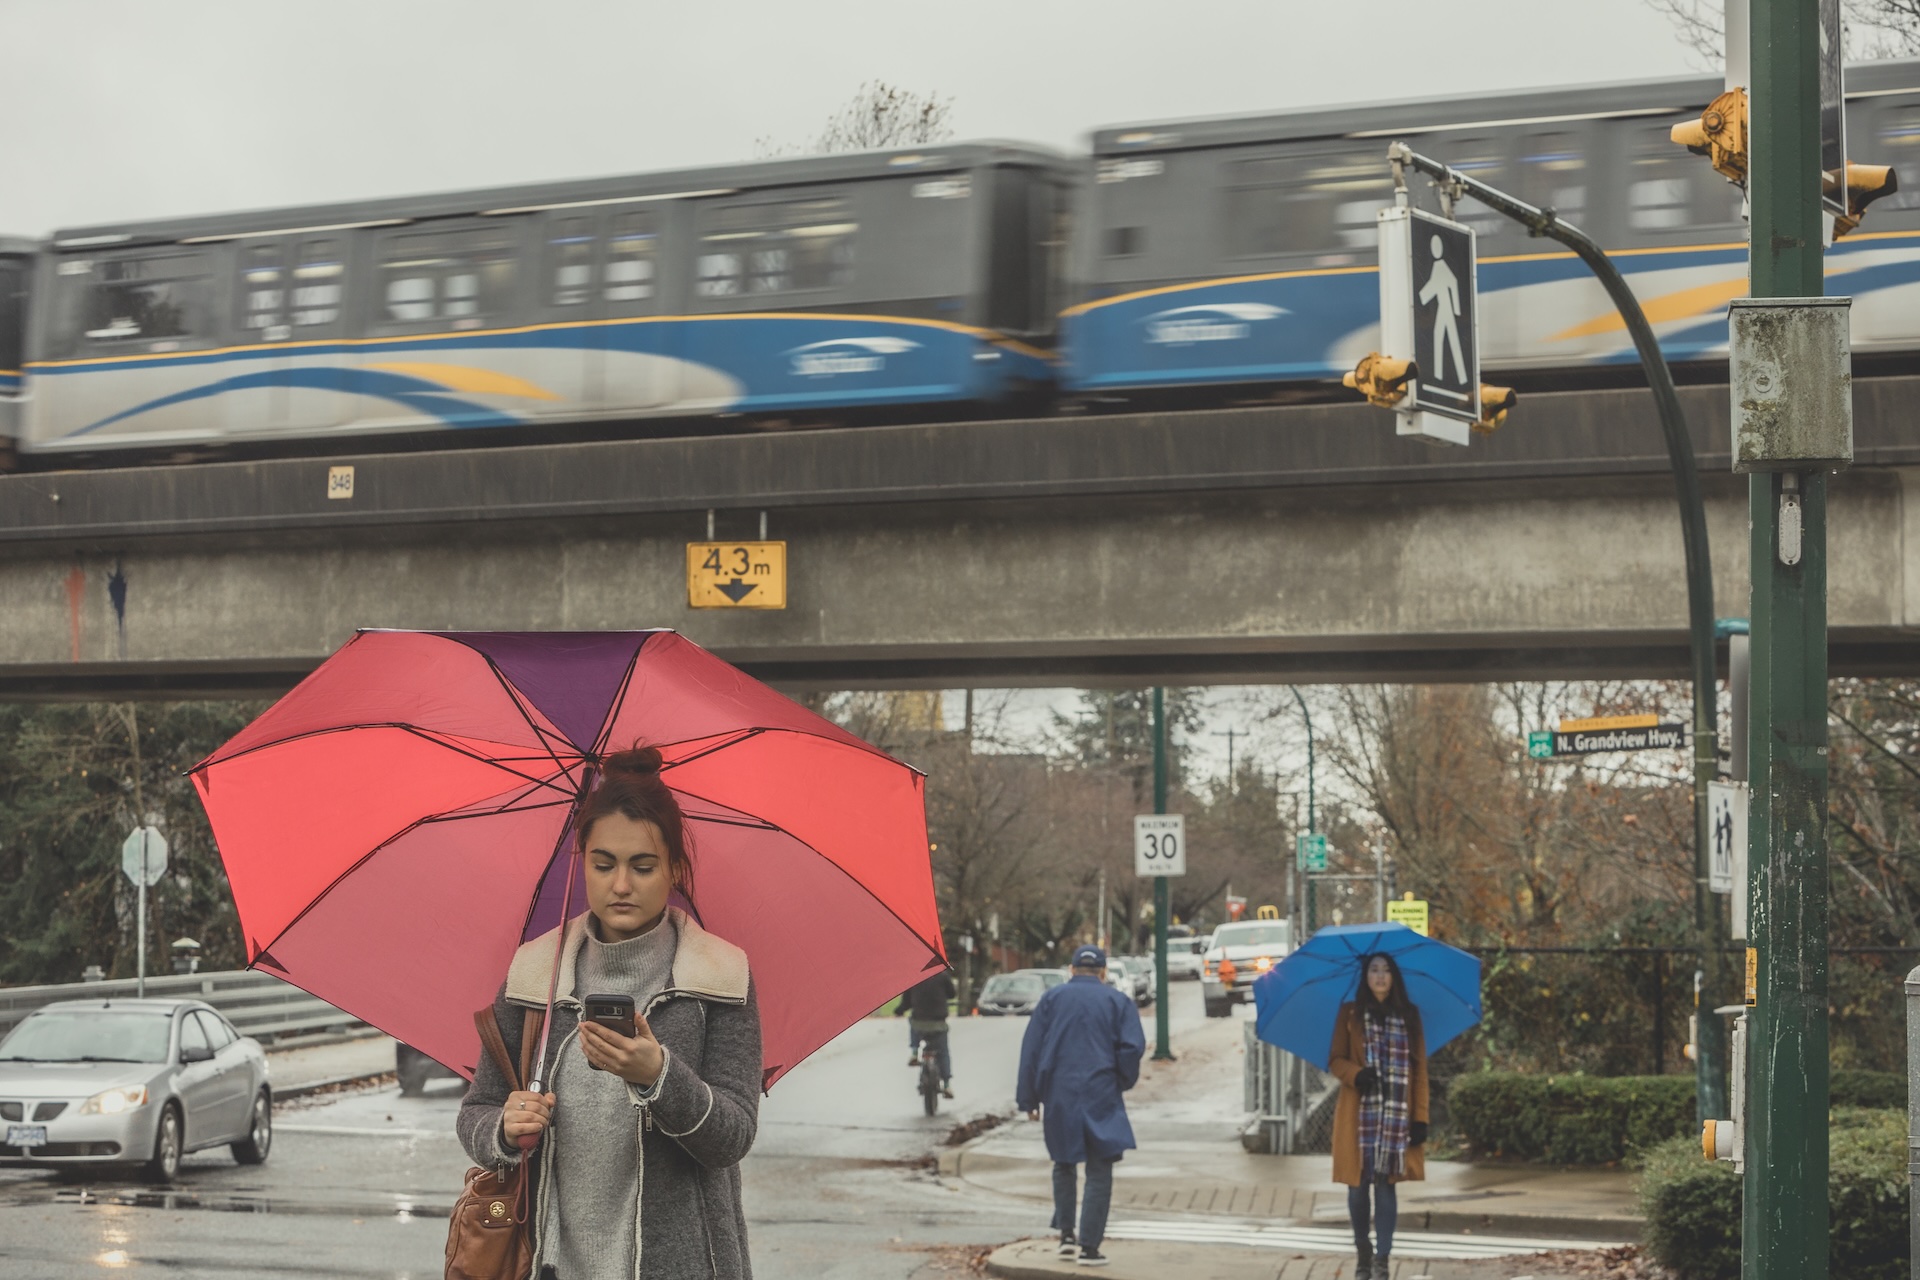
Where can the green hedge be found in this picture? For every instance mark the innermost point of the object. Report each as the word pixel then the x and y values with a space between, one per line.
pixel 1881 1090
pixel 1692 1205
pixel 1569 1119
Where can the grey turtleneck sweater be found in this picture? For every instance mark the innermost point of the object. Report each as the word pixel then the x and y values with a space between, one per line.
pixel 596 1153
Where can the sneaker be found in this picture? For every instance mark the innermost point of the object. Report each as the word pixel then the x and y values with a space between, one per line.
pixel 1068 1245
pixel 1091 1257
pixel 946 1092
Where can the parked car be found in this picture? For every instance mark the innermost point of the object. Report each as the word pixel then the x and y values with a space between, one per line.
pixel 95 1082
pixel 1240 953
pixel 414 1069
pixel 1052 977
pixel 1119 977
pixel 1140 970
pixel 1010 993
pixel 1183 957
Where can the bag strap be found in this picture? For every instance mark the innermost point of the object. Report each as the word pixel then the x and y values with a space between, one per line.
pixel 530 1042
pixel 489 1028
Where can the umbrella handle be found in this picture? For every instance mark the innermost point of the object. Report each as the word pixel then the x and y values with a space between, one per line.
pixel 527 1141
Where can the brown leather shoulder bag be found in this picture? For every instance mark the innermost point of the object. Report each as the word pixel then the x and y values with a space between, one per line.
pixel 487 1236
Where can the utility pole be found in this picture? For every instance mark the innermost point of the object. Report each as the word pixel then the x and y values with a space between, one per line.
pixel 1784 1232
pixel 1312 819
pixel 1228 733
pixel 1162 896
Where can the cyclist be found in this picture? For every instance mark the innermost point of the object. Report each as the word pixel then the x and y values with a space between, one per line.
pixel 926 1005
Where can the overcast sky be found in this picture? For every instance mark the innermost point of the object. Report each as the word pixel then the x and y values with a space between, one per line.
pixel 123 109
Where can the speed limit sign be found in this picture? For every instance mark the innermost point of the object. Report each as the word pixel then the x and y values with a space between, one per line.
pixel 1159 844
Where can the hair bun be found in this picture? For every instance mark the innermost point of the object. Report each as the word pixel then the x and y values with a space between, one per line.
pixel 640 760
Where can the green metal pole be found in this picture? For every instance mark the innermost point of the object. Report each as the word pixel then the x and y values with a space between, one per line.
pixel 1312 821
pixel 1785 1229
pixel 1162 1050
pixel 1710 1042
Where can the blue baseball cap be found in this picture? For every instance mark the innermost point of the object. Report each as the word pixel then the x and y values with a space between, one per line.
pixel 1089 957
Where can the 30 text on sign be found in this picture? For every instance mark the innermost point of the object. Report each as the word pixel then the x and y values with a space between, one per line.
pixel 736 575
pixel 1159 844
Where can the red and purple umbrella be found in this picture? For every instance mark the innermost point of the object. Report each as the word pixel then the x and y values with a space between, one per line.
pixel 401 821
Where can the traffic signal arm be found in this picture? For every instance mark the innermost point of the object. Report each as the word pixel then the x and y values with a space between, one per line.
pixel 1381 379
pixel 1865 183
pixel 1720 134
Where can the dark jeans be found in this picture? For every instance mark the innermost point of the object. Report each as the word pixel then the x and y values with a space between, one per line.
pixel 1093 1214
pixel 937 1041
pixel 1386 1212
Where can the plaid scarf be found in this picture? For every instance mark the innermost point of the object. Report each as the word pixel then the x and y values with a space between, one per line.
pixel 1383 1113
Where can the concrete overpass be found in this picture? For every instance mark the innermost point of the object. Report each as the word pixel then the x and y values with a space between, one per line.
pixel 1301 543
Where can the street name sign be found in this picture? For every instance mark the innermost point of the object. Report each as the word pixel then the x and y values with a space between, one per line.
pixel 1159 844
pixel 1429 313
pixel 1540 744
pixel 736 575
pixel 1411 912
pixel 1653 737
pixel 1310 850
pixel 147 872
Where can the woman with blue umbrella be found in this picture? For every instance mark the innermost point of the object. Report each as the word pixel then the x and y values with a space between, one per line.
pixel 1407 993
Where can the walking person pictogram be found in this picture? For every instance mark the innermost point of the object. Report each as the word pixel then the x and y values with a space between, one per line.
pixel 1443 287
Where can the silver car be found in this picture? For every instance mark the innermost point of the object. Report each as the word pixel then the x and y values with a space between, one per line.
pixel 131 1081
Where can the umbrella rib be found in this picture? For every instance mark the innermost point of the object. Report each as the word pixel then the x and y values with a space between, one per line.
pixel 513 696
pixel 426 734
pixel 733 741
pixel 752 824
pixel 619 697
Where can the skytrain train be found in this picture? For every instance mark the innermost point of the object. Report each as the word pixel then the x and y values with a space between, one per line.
pixel 1225 259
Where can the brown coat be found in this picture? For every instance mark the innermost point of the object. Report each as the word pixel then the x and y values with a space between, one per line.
pixel 1348 1056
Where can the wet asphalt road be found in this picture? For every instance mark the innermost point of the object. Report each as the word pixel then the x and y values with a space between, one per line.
pixel 839 1185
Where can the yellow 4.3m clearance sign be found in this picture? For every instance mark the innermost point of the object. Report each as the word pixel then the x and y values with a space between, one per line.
pixel 736 575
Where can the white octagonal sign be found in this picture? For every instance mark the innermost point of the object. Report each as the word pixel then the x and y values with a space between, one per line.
pixel 154 845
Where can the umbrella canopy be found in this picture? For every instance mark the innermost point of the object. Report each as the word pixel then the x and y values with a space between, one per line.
pixel 401 821
pixel 1297 1002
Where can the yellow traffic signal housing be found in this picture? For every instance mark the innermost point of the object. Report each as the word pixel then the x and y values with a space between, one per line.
pixel 1494 403
pixel 1381 379
pixel 1720 134
pixel 1865 184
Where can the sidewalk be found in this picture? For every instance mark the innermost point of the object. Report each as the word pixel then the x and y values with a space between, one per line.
pixel 1131 1260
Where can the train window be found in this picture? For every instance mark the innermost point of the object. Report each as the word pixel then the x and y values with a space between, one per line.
pixel 13 314
pixel 570 261
pixel 319 281
pixel 1126 242
pixel 631 243
pixel 136 299
pixel 263 286
pixel 1551 173
pixel 460 277
pixel 776 248
pixel 1900 133
pixel 1306 203
pixel 1668 190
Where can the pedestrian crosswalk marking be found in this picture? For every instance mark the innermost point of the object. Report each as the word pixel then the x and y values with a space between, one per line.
pixel 1406 1244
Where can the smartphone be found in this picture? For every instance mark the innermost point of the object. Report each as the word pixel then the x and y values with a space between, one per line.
pixel 615 1013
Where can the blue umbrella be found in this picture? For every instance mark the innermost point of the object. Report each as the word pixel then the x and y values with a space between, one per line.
pixel 1298 1001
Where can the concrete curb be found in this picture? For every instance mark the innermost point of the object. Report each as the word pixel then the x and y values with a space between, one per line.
pixel 320 1086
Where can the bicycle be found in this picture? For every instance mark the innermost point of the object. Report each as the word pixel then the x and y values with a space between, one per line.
pixel 931 1085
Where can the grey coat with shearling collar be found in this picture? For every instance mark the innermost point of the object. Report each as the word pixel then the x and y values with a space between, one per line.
pixel 693 1126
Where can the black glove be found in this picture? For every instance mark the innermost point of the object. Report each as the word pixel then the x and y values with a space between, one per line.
pixel 1366 1080
pixel 1416 1133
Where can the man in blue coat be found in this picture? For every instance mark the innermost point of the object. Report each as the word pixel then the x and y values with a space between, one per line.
pixel 1081 1052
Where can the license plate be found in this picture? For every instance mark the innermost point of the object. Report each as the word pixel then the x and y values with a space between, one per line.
pixel 26 1135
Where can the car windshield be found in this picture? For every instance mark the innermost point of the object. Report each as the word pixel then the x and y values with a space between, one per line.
pixel 1014 984
pixel 1266 935
pixel 1051 977
pixel 89 1035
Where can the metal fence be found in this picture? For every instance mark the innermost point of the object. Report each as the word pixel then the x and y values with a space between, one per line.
pixel 1291 1100
pixel 258 1004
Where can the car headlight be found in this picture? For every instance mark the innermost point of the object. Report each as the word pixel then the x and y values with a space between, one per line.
pixel 1264 963
pixel 115 1101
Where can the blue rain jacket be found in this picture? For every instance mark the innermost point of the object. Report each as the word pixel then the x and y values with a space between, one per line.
pixel 1081 1052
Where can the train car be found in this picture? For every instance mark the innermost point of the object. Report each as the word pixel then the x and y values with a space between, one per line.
pixel 16 268
pixel 1238 254
pixel 796 287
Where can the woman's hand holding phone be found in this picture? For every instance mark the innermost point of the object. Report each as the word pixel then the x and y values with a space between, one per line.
pixel 637 1059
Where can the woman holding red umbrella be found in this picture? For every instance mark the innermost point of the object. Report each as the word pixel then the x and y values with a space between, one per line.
pixel 640 1137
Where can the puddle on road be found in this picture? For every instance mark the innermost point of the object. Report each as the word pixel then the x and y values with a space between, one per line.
pixel 176 1199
